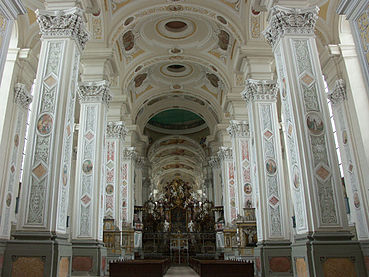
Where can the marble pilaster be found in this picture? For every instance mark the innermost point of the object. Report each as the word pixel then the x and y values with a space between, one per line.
pixel 42 224
pixel 355 187
pixel 115 134
pixel 22 100
pixel 241 141
pixel 214 163
pixel 271 209
pixel 230 196
pixel 312 163
pixel 87 222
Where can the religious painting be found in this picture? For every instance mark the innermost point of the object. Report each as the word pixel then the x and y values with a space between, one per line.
pixel 87 166
pixel 247 188
pixel 178 220
pixel 356 200
pixel 344 137
pixel 271 166
pixel 44 124
pixel 128 40
pixel 315 124
pixel 296 177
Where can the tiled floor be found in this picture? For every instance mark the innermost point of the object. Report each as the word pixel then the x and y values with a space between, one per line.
pixel 181 271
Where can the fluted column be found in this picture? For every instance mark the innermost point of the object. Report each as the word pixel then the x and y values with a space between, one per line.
pixel 271 209
pixel 230 196
pixel 312 162
pixel 46 176
pixel 241 141
pixel 22 100
pixel 87 227
pixel 115 133
pixel 355 187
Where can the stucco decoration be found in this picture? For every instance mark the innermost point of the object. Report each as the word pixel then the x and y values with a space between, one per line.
pixel 290 21
pixel 67 23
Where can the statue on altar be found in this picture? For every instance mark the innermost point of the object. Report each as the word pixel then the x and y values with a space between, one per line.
pixel 191 226
pixel 166 226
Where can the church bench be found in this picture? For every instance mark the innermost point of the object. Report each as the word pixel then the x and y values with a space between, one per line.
pixel 222 268
pixel 139 268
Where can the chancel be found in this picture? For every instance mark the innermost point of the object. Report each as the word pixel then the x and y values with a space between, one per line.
pixel 184 138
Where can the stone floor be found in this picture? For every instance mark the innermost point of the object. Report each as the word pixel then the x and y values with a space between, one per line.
pixel 181 271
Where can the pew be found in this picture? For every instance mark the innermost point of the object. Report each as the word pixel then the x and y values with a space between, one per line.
pixel 139 268
pixel 222 268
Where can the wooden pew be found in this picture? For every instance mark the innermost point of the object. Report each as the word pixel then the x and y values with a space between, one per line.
pixel 139 268
pixel 222 268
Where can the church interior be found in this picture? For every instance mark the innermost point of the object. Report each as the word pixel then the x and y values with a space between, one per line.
pixel 173 137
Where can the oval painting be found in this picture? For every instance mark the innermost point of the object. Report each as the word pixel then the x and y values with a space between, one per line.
pixel 109 189
pixel 271 166
pixel 44 124
pixel 247 188
pixel 8 199
pixel 87 166
pixel 315 124
pixel 356 200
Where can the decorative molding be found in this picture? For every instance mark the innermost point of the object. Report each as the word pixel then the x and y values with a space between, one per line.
pixel 225 153
pixel 290 21
pixel 21 96
pixel 239 128
pixel 12 8
pixel 339 94
pixel 214 162
pixel 129 153
pixel 94 92
pixel 260 90
pixel 116 129
pixel 66 23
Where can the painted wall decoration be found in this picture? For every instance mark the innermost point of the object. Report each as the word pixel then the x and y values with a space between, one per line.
pixel 111 182
pixel 124 193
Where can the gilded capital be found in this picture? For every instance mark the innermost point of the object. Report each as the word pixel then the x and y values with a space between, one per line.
pixel 65 23
pixel 260 90
pixel 292 21
pixel 94 92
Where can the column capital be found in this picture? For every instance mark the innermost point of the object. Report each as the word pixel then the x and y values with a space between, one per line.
pixel 290 21
pixel 116 129
pixel 214 162
pixel 65 23
pixel 129 153
pixel 339 94
pixel 94 92
pixel 239 128
pixel 260 90
pixel 22 97
pixel 225 153
pixel 140 162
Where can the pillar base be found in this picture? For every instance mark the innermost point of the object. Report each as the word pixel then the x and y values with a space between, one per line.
pixel 38 254
pixel 89 258
pixel 273 258
pixel 2 254
pixel 327 254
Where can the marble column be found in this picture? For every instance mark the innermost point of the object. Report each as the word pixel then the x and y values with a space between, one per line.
pixel 115 134
pixel 230 196
pixel 271 209
pixel 355 187
pixel 9 11
pixel 87 221
pixel 42 225
pixel 312 162
pixel 241 141
pixel 13 161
